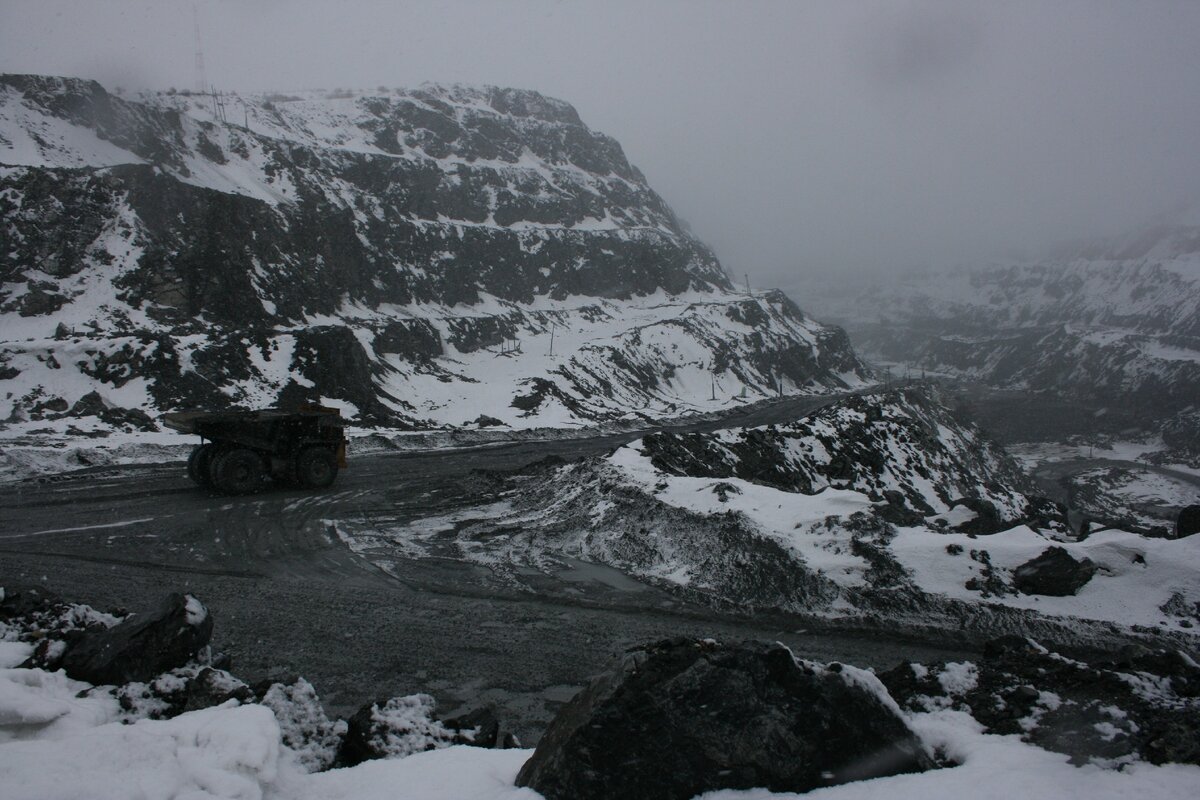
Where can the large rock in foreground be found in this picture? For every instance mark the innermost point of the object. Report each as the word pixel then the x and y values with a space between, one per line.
pixel 144 645
pixel 683 717
pixel 1054 573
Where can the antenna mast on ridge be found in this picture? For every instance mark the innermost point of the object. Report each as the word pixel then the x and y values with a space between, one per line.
pixel 201 83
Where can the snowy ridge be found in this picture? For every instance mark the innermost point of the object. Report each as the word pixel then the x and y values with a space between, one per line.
pixel 900 447
pixel 404 254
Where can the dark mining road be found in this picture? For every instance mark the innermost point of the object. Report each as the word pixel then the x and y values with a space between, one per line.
pixel 290 598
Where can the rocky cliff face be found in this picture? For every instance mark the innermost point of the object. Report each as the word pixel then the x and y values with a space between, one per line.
pixel 1116 323
pixel 408 254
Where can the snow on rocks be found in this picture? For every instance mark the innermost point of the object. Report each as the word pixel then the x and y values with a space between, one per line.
pixel 221 741
pixel 396 728
pixel 1114 323
pixel 214 753
pixel 900 448
pixel 305 728
pixel 1135 704
pixel 62 739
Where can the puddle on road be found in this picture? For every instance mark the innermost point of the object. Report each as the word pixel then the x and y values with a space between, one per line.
pixel 587 572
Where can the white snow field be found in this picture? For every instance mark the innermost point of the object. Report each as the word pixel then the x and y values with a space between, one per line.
pixel 55 745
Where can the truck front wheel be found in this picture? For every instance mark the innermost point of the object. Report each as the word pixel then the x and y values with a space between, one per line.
pixel 198 465
pixel 316 467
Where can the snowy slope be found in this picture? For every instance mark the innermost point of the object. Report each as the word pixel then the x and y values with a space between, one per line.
pixel 927 526
pixel 406 254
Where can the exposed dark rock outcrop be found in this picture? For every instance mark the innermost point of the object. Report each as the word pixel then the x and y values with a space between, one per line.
pixel 144 645
pixel 683 717
pixel 1189 522
pixel 1055 573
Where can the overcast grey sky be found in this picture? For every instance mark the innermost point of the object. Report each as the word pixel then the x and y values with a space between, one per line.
pixel 795 137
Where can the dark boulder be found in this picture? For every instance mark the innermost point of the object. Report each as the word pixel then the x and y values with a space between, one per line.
pixel 896 511
pixel 144 645
pixel 37 301
pixel 1055 573
pixel 90 405
pixel 1189 522
pixel 483 729
pixel 212 687
pixel 683 717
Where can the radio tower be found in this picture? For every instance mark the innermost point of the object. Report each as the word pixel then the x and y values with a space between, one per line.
pixel 201 83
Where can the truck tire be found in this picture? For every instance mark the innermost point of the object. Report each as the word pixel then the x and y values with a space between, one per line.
pixel 316 467
pixel 237 471
pixel 198 465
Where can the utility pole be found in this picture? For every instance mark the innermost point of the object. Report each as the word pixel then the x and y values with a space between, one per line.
pixel 201 83
pixel 551 338
pixel 748 284
pixel 713 380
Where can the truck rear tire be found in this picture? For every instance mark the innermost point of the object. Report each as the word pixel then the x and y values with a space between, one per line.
pixel 198 465
pixel 237 471
pixel 316 467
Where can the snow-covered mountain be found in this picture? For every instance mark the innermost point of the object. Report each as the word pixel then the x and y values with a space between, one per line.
pixel 1115 322
pixel 419 257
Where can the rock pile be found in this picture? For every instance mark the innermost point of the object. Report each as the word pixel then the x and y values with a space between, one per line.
pixel 1136 703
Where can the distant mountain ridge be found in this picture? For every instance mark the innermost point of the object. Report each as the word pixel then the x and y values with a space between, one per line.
pixel 1115 322
pixel 407 254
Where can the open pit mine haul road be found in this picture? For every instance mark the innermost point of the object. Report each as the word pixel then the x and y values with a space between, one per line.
pixel 290 598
